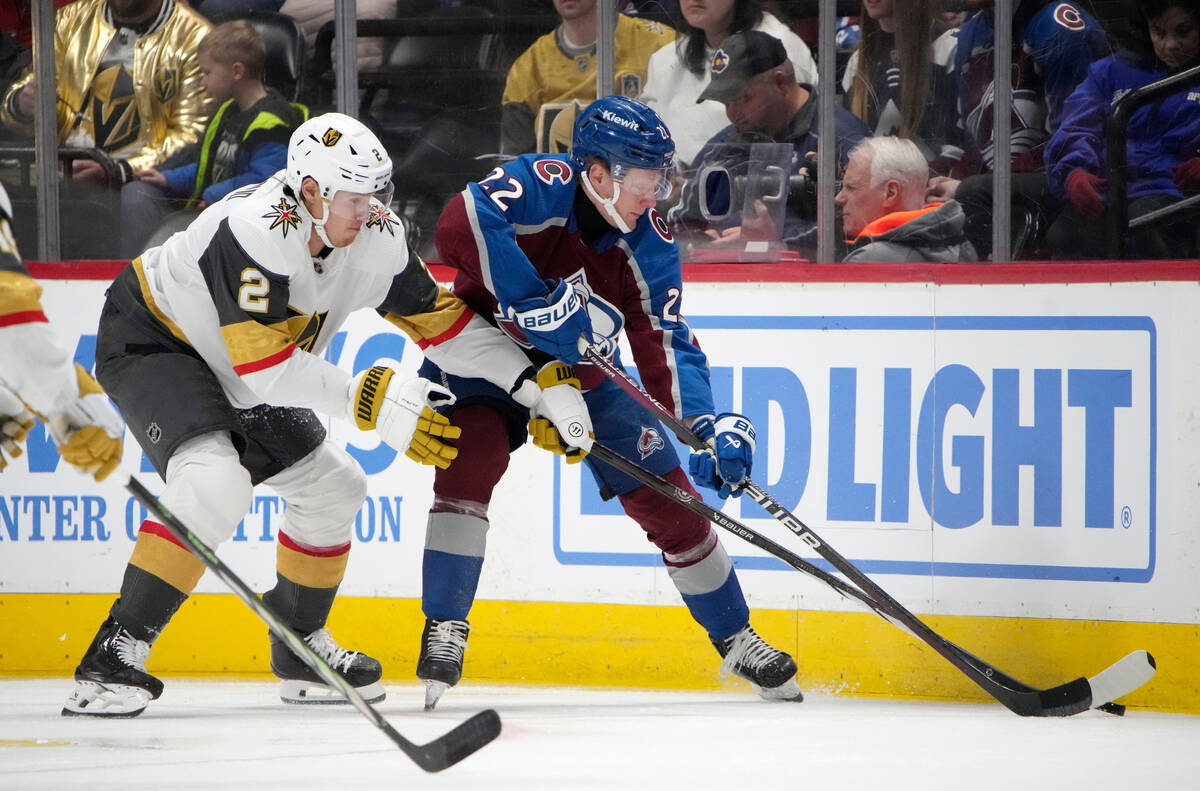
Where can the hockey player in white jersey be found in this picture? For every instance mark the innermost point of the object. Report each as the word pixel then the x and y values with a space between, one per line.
pixel 37 375
pixel 210 345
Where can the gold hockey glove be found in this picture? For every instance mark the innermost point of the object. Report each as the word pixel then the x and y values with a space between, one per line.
pixel 401 412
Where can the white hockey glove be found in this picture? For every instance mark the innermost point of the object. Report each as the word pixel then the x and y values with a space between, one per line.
pixel 88 432
pixel 559 420
pixel 401 412
pixel 15 422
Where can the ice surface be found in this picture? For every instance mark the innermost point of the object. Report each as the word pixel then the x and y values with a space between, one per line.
pixel 236 734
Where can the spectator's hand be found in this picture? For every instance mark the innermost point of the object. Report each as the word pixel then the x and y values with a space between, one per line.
pixel 725 238
pixel 941 189
pixel 1187 176
pixel 1083 189
pixel 153 178
pixel 26 98
pixel 759 226
pixel 88 171
pixel 201 205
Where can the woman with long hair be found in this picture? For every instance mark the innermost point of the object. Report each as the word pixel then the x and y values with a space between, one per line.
pixel 679 72
pixel 897 80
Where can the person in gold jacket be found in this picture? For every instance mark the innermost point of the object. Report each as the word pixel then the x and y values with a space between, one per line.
pixel 127 79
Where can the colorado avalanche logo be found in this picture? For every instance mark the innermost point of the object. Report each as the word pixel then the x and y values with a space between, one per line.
pixel 649 441
pixel 552 170
pixel 660 225
pixel 720 62
pixel 1069 17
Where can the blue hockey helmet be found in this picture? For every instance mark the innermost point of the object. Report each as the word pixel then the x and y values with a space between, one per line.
pixel 624 133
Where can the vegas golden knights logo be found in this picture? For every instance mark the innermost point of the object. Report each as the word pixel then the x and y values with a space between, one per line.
pixel 166 83
pixel 306 329
pixel 331 137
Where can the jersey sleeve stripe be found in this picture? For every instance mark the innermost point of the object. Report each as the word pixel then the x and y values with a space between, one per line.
pixel 447 319
pixel 266 362
pixel 22 317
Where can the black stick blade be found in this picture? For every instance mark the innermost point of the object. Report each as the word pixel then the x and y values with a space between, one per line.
pixel 454 745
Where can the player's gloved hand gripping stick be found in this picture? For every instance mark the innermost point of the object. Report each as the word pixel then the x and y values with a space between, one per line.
pixel 1098 691
pixel 401 412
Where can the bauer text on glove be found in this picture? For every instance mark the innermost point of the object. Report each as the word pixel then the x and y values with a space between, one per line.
pixel 88 432
pixel 401 412
pixel 559 420
pixel 727 464
pixel 553 323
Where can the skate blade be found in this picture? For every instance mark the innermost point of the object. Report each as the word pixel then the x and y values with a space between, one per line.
pixel 787 691
pixel 310 692
pixel 433 692
pixel 93 699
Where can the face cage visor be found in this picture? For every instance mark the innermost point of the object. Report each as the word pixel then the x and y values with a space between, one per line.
pixel 354 206
pixel 644 183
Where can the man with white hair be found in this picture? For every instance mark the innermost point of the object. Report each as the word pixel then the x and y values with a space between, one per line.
pixel 884 215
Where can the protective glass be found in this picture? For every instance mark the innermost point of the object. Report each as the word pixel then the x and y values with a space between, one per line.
pixel 642 183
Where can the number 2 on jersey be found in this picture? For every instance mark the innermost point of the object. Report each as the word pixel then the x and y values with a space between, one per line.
pixel 252 296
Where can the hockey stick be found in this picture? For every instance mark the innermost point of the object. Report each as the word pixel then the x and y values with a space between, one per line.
pixel 444 751
pixel 719 518
pixel 1119 679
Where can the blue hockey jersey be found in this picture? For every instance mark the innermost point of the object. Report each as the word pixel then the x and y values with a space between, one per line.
pixel 1053 45
pixel 1159 136
pixel 527 223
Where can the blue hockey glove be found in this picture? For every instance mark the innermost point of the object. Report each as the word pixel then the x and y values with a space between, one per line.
pixel 553 323
pixel 728 463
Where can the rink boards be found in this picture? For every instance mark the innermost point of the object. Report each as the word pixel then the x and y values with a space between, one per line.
pixel 1007 450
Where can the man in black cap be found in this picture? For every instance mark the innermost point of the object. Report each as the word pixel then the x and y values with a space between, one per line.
pixel 752 76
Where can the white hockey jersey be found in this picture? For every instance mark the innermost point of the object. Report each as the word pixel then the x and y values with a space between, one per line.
pixel 240 286
pixel 33 362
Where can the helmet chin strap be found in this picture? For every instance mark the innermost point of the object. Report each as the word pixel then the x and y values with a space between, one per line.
pixel 609 204
pixel 319 225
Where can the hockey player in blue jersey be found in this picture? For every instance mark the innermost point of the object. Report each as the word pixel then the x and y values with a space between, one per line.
pixel 555 247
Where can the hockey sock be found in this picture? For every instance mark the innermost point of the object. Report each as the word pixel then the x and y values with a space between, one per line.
pixel 705 579
pixel 158 579
pixel 721 612
pixel 448 584
pixel 307 580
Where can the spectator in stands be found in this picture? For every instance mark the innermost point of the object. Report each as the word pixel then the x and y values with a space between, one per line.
pixel 883 211
pixel 559 70
pixel 246 140
pixel 220 10
pixel 754 79
pixel 680 71
pixel 897 82
pixel 127 81
pixel 1053 44
pixel 1163 141
pixel 313 14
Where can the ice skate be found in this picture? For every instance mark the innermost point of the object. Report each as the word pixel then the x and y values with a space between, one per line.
pixel 441 661
pixel 770 671
pixel 300 684
pixel 111 680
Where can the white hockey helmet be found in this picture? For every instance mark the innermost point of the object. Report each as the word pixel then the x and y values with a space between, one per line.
pixel 339 153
